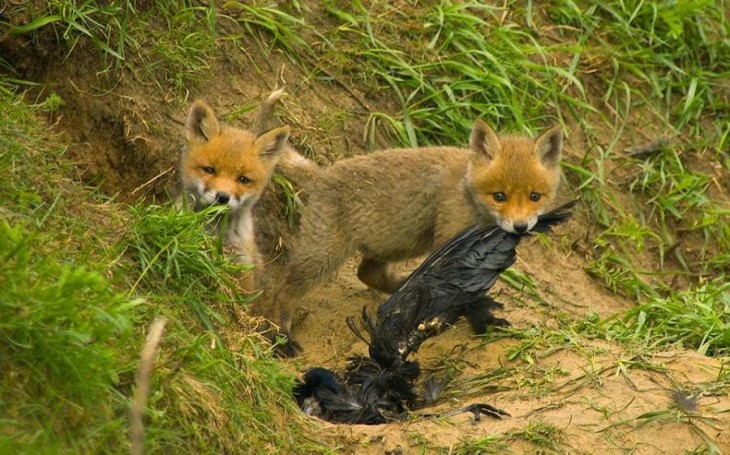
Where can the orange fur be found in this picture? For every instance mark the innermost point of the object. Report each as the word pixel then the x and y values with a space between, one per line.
pixel 523 171
pixel 234 154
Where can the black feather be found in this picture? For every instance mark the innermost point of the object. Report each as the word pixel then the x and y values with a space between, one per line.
pixel 452 282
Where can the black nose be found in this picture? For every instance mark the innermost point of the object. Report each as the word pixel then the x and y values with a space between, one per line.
pixel 222 198
pixel 520 228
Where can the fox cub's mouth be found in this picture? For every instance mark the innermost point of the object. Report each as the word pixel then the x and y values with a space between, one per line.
pixel 212 197
pixel 517 228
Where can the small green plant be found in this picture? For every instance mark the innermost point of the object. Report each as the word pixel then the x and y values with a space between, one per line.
pixel 177 55
pixel 291 198
pixel 697 318
pixel 488 445
pixel 283 28
pixel 543 435
pixel 521 282
pixel 679 202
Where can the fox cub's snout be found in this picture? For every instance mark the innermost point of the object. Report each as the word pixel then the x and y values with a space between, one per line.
pixel 223 165
pixel 514 179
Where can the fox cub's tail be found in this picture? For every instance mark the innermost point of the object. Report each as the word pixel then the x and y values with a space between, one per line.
pixel 293 166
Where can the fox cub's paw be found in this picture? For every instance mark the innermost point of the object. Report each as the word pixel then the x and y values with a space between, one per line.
pixel 286 346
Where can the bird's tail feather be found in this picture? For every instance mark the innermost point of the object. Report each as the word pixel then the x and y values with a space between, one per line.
pixel 352 324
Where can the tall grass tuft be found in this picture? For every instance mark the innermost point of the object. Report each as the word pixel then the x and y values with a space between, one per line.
pixel 175 254
pixel 61 328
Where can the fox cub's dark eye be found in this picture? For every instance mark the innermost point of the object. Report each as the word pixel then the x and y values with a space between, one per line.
pixel 208 170
pixel 534 196
pixel 242 179
pixel 499 196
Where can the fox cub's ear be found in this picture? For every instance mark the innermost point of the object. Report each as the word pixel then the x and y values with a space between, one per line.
pixel 271 143
pixel 549 146
pixel 483 140
pixel 201 125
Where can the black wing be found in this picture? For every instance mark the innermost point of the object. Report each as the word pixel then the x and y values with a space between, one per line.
pixel 450 283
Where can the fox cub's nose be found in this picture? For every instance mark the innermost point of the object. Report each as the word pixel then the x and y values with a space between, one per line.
pixel 222 198
pixel 521 228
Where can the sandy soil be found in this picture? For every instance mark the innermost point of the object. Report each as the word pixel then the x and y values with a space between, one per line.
pixel 599 396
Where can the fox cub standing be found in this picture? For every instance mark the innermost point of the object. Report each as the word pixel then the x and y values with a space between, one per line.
pixel 394 205
pixel 229 166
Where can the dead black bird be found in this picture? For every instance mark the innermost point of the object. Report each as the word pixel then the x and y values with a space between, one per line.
pixel 452 282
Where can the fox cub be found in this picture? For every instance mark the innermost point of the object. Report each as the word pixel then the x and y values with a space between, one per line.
pixel 229 166
pixel 398 204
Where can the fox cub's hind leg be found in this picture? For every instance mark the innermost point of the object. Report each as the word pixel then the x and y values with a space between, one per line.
pixel 310 263
pixel 375 274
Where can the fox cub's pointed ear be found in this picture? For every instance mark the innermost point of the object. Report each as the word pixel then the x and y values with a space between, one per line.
pixel 549 146
pixel 201 125
pixel 484 141
pixel 271 143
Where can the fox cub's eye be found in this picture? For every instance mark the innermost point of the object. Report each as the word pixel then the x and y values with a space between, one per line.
pixel 208 170
pixel 534 196
pixel 242 179
pixel 499 196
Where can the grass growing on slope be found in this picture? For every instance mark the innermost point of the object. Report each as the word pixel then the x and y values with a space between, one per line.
pixel 61 326
pixel 452 62
pixel 62 320
pixel 73 320
pixel 174 55
pixel 696 318
pixel 174 254
pixel 104 25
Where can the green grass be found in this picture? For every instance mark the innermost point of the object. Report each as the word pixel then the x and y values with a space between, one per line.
pixel 696 318
pixel 175 55
pixel 542 437
pixel 63 321
pixel 174 255
pixel 61 328
pixel 453 64
pixel 641 87
pixel 105 26
pixel 77 301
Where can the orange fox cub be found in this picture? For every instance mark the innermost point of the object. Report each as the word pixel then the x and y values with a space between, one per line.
pixel 394 205
pixel 228 166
